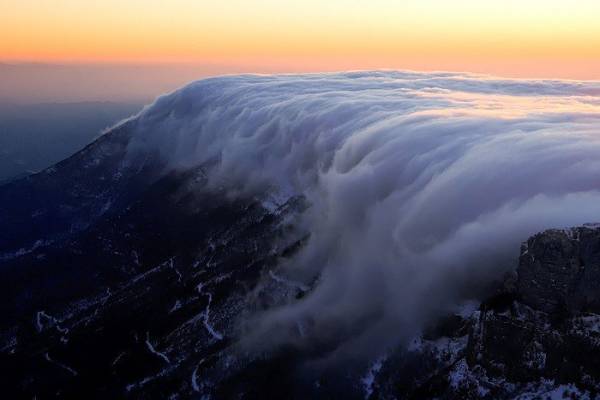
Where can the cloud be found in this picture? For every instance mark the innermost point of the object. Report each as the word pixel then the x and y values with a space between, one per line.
pixel 421 186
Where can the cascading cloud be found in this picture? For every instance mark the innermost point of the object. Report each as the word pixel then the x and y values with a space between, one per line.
pixel 421 185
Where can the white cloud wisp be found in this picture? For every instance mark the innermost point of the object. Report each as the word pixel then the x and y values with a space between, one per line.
pixel 421 186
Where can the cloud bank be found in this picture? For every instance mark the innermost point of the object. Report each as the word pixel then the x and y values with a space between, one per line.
pixel 421 186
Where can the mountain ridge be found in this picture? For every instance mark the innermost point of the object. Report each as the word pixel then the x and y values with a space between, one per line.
pixel 325 230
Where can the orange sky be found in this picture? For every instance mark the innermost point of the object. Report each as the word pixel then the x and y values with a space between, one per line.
pixel 524 38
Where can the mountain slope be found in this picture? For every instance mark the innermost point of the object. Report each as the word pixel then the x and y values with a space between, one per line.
pixel 312 236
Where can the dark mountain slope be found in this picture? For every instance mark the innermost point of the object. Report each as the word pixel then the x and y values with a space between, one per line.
pixel 166 272
pixel 69 196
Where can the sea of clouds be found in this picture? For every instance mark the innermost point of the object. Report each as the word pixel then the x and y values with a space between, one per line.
pixel 422 185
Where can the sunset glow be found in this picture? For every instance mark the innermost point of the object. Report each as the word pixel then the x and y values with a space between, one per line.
pixel 549 38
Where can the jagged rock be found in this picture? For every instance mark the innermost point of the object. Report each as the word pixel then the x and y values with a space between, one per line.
pixel 545 324
pixel 560 269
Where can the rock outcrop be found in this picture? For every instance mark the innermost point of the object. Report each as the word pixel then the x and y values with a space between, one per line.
pixel 537 337
pixel 545 324
pixel 559 270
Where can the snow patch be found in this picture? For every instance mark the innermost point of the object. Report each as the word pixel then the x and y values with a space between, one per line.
pixel 548 390
pixel 61 365
pixel 205 315
pixel 175 307
pixel 154 351
pixel 24 251
pixel 368 380
pixel 195 385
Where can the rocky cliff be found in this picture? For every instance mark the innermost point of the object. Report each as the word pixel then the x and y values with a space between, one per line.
pixel 538 336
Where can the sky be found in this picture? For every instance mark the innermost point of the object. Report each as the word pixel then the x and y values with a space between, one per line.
pixel 514 38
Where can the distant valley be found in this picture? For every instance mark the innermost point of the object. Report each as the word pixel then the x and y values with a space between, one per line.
pixel 35 136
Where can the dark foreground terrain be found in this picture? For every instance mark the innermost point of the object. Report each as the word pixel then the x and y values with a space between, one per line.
pixel 120 281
